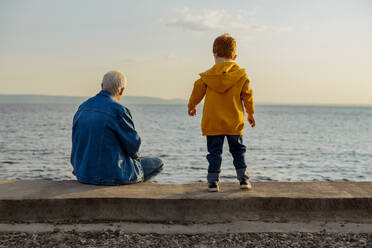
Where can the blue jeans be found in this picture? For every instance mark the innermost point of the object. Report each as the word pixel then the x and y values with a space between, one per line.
pixel 237 150
pixel 151 167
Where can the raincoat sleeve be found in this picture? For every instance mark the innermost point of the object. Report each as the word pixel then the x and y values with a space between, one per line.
pixel 247 97
pixel 197 94
pixel 129 138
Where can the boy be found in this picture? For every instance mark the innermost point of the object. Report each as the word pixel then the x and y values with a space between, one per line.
pixel 226 88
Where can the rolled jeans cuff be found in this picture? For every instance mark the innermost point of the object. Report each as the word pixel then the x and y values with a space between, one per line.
pixel 242 173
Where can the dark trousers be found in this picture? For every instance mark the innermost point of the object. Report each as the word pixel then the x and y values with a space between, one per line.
pixel 151 167
pixel 237 150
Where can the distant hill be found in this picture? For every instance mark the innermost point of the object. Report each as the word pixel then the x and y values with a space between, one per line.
pixel 150 100
pixel 46 99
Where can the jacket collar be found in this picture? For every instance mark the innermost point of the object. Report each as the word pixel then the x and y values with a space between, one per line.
pixel 105 93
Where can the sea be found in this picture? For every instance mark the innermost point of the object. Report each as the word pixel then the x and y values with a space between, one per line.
pixel 289 143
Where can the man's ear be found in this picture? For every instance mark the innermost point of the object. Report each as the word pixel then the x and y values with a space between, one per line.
pixel 121 91
pixel 235 57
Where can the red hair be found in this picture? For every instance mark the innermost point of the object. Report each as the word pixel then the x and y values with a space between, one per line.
pixel 224 46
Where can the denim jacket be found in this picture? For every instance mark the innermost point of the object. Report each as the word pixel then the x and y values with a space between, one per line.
pixel 105 143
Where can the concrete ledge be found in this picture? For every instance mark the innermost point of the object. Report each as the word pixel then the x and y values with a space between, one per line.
pixel 198 228
pixel 70 201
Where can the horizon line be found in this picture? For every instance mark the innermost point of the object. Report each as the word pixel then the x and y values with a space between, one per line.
pixel 259 103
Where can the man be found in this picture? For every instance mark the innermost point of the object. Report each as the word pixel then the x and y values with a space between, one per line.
pixel 105 144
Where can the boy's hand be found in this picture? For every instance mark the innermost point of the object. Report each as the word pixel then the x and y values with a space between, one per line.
pixel 251 120
pixel 192 112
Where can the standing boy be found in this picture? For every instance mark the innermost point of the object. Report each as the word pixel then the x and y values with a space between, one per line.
pixel 226 88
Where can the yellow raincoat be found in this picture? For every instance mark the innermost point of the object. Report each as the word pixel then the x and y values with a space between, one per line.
pixel 226 88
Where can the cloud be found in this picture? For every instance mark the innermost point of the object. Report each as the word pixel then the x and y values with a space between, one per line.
pixel 204 21
pixel 171 56
pixel 219 20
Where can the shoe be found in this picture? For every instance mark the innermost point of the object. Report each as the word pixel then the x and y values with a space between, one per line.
pixel 245 184
pixel 213 187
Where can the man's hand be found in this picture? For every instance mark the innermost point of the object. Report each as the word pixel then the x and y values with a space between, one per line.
pixel 192 112
pixel 251 120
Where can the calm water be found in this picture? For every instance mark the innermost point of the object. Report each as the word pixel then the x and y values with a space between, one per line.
pixel 289 143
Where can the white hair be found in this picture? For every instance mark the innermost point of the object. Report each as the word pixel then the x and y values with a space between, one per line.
pixel 113 82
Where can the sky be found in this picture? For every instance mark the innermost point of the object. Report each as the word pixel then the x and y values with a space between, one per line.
pixel 294 51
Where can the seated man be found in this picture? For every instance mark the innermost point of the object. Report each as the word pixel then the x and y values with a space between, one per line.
pixel 105 143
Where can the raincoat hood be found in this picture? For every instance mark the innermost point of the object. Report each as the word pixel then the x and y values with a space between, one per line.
pixel 222 76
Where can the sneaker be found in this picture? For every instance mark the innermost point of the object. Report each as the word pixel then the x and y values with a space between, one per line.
pixel 213 187
pixel 245 184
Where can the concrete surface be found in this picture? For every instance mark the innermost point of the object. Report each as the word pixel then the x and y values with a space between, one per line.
pixel 70 201
pixel 231 227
